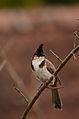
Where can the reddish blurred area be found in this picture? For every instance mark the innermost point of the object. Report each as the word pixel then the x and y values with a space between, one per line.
pixel 20 34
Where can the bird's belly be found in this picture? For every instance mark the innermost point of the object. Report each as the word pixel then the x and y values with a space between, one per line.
pixel 42 74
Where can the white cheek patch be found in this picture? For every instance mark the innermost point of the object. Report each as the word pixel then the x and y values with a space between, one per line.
pixel 37 61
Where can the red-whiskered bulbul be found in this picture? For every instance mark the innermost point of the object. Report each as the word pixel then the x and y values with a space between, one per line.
pixel 43 70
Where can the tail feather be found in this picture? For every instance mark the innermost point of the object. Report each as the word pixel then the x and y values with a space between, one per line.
pixel 56 100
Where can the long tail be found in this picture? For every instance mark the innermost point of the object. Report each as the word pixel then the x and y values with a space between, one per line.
pixel 57 104
pixel 56 99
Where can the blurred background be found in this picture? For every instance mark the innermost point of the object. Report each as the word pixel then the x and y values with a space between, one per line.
pixel 24 24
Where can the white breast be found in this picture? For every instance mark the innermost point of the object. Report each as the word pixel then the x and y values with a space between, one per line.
pixel 41 73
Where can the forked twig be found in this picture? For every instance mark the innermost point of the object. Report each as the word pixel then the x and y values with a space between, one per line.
pixel 75 33
pixel 56 56
pixel 38 93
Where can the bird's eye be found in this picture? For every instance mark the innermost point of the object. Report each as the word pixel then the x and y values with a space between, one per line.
pixel 35 57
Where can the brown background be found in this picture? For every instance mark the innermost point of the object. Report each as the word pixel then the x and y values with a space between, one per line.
pixel 20 34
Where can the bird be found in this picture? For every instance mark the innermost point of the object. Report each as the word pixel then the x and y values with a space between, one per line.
pixel 43 70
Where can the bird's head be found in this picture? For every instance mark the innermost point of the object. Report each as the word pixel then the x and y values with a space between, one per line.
pixel 39 52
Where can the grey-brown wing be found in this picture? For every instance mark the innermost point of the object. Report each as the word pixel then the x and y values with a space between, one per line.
pixel 51 68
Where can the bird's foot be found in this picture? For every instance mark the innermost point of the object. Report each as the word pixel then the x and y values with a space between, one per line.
pixel 52 87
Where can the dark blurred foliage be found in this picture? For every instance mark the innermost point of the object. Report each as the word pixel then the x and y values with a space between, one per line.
pixel 27 3
pixel 61 1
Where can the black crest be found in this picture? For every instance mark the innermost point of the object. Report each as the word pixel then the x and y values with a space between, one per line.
pixel 39 52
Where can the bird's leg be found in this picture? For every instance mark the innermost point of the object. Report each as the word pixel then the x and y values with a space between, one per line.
pixel 53 84
pixel 53 80
pixel 59 81
pixel 40 86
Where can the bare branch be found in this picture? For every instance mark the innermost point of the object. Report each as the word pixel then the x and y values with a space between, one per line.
pixel 20 92
pixel 56 56
pixel 38 93
pixel 17 80
pixel 74 45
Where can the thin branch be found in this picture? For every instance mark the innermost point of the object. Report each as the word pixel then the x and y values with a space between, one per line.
pixel 38 93
pixel 75 40
pixel 75 33
pixel 21 93
pixel 56 56
pixel 16 78
pixel 3 64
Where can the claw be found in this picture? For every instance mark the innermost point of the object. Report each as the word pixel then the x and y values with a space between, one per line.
pixel 40 86
pixel 51 87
